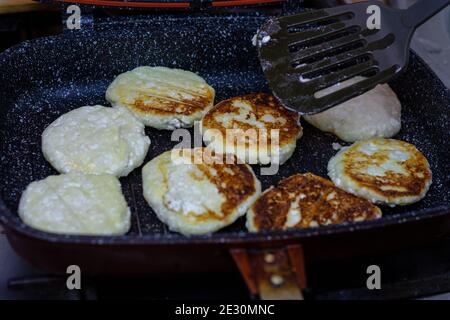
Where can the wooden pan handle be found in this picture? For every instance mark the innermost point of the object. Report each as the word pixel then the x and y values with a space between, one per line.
pixel 273 274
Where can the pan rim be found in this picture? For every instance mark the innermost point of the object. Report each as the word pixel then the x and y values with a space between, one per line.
pixel 13 223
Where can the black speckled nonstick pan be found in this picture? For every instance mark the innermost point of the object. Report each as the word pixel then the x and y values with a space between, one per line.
pixel 42 79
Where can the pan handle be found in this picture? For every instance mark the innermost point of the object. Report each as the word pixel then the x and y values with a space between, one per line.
pixel 273 274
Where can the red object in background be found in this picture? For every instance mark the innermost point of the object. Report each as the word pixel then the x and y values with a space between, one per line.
pixel 112 3
pixel 140 4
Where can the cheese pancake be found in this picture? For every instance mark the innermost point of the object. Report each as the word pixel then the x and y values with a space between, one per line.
pixel 256 128
pixel 307 200
pixel 76 203
pixel 162 98
pixel 198 197
pixel 384 171
pixel 96 140
pixel 374 114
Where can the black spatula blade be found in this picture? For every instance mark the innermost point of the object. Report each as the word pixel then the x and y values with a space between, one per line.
pixel 306 53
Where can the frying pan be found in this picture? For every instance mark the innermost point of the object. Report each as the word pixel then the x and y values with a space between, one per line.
pixel 44 78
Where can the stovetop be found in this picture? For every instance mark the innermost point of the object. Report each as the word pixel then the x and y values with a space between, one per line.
pixel 419 273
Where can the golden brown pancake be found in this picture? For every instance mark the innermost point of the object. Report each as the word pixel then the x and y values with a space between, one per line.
pixel 261 113
pixel 307 200
pixel 161 97
pixel 386 171
pixel 197 197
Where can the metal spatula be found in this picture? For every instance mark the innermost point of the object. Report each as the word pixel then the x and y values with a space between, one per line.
pixel 305 53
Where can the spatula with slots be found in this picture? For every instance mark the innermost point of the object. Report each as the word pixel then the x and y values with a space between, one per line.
pixel 303 54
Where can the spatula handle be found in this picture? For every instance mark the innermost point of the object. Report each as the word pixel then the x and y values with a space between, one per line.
pixel 421 11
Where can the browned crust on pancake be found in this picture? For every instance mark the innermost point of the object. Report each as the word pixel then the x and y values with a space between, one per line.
pixel 262 104
pixel 411 184
pixel 163 105
pixel 236 182
pixel 322 203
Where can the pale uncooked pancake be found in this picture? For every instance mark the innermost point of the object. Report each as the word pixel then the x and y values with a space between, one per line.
pixel 374 114
pixel 76 203
pixel 162 98
pixel 307 200
pixel 383 171
pixel 261 130
pixel 96 140
pixel 198 198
